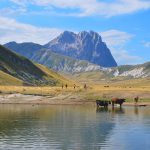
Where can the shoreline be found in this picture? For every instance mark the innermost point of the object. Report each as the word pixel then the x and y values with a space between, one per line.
pixel 56 100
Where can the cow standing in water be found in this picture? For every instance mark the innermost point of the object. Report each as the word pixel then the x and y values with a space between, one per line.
pixel 119 101
pixel 103 103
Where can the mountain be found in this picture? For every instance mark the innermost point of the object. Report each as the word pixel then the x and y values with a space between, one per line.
pixel 55 61
pixel 62 63
pixel 135 71
pixel 121 73
pixel 26 49
pixel 19 70
pixel 83 46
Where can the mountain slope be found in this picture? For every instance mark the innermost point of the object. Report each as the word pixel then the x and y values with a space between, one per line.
pixel 84 46
pixel 62 63
pixel 135 71
pixel 58 77
pixel 121 73
pixel 6 79
pixel 25 49
pixel 22 69
pixel 53 60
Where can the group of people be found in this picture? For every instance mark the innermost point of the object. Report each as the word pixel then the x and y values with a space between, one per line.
pixel 66 85
pixel 74 86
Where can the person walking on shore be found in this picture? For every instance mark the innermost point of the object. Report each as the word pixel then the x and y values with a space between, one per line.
pixel 85 86
pixel 66 85
pixel 136 99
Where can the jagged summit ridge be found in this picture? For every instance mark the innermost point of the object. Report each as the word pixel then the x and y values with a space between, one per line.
pixel 84 46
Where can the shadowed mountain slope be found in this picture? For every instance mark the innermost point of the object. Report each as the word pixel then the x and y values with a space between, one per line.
pixel 24 70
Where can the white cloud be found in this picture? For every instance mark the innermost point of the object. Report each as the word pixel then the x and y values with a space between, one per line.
pixel 123 57
pixel 116 38
pixel 21 2
pixel 12 11
pixel 116 41
pixel 146 44
pixel 92 7
pixel 11 30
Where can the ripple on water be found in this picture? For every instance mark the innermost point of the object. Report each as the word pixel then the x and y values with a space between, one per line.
pixel 74 128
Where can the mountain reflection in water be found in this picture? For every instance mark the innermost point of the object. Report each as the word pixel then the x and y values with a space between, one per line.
pixel 73 127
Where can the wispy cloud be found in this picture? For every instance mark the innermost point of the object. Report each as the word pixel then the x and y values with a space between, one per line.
pixel 91 7
pixel 11 30
pixel 6 12
pixel 146 43
pixel 124 57
pixel 21 2
pixel 116 38
pixel 116 41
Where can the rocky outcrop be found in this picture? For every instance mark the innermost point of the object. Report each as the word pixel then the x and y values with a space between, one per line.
pixel 84 46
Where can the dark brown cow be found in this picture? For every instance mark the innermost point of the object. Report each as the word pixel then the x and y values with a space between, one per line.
pixel 103 103
pixel 119 101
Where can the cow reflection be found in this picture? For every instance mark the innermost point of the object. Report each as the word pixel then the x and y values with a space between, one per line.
pixel 114 110
pixel 136 110
pixel 102 109
pixel 118 110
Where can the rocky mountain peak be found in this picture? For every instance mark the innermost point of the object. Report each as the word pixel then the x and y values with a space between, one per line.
pixel 66 37
pixel 84 46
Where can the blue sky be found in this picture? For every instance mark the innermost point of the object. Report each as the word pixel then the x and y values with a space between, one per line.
pixel 123 24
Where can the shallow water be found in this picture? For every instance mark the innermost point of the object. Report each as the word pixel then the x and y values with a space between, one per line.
pixel 74 128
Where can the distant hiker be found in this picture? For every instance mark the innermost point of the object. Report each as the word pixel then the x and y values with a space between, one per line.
pixel 136 99
pixel 62 86
pixel 74 86
pixel 85 87
pixel 66 85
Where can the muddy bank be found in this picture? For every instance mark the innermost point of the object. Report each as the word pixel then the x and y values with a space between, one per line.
pixel 32 99
pixel 61 99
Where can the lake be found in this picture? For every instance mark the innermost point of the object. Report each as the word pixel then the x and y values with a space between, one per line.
pixel 68 127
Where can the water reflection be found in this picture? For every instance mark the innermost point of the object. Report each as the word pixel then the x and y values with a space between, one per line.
pixel 72 127
pixel 101 109
pixel 53 127
pixel 118 110
pixel 113 110
pixel 136 110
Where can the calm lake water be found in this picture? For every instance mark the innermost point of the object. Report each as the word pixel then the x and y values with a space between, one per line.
pixel 74 128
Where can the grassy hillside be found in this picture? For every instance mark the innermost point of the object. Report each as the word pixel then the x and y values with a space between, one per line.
pixel 93 76
pixel 20 70
pixel 53 74
pixel 6 79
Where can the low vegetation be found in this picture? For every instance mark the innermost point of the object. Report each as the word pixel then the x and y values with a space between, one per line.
pixel 128 90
